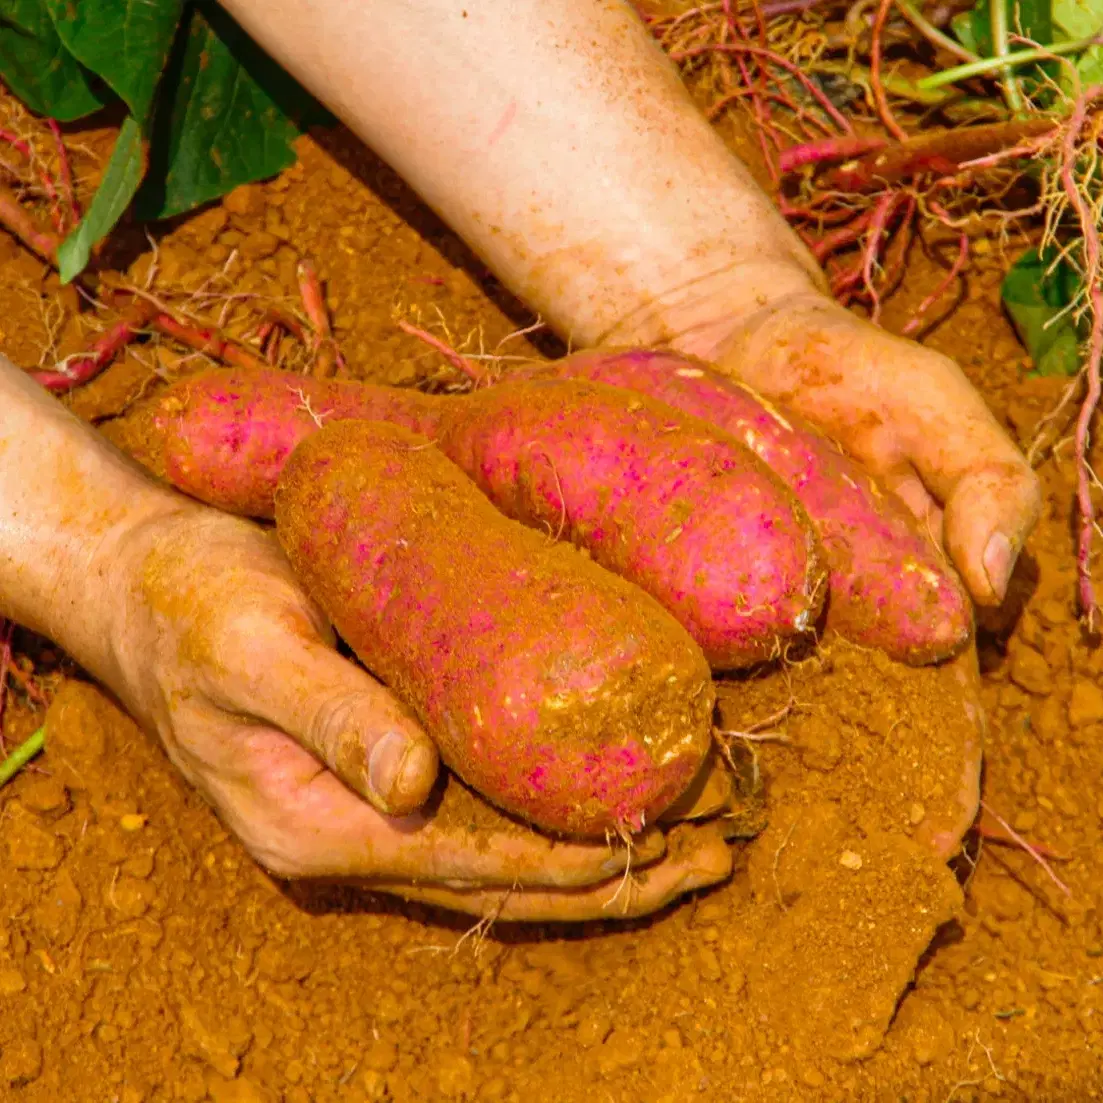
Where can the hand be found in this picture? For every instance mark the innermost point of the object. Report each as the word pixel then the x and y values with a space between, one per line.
pixel 909 414
pixel 310 762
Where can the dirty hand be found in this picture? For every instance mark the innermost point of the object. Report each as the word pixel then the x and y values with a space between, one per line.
pixel 905 411
pixel 315 767
pixel 194 620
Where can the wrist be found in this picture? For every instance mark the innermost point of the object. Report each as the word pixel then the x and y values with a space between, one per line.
pixel 69 503
pixel 708 310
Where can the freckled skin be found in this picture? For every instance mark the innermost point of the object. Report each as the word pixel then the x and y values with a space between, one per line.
pixel 889 586
pixel 555 689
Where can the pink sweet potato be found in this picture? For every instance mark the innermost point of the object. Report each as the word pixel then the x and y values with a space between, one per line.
pixel 889 587
pixel 557 690
pixel 683 510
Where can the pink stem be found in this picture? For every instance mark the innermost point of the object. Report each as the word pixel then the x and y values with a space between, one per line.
pixel 460 363
pixel 940 290
pixel 80 369
pixel 65 171
pixel 830 149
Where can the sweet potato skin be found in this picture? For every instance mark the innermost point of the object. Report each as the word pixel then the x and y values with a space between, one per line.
pixel 557 690
pixel 687 513
pixel 666 501
pixel 889 587
pixel 227 434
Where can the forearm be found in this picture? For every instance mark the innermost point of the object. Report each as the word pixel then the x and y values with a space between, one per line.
pixel 559 142
pixel 68 501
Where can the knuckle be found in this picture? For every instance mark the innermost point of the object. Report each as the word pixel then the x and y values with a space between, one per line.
pixel 329 723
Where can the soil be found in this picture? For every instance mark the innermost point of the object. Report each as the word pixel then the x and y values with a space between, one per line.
pixel 143 957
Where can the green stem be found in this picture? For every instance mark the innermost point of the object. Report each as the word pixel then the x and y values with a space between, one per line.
pixel 897 85
pixel 996 64
pixel 932 34
pixel 22 755
pixel 1001 46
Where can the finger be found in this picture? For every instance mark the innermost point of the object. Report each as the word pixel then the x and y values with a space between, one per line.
pixel 298 820
pixel 945 832
pixel 909 488
pixel 891 401
pixel 991 497
pixel 707 864
pixel 338 712
pixel 710 793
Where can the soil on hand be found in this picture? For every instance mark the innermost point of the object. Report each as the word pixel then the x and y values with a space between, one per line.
pixel 143 957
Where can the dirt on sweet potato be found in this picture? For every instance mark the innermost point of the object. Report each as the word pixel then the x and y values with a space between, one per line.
pixel 557 690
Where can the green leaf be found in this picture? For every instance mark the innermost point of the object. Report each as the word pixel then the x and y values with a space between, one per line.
pixel 120 182
pixel 1073 20
pixel 1032 19
pixel 1035 292
pixel 126 42
pixel 38 68
pixel 962 26
pixel 228 117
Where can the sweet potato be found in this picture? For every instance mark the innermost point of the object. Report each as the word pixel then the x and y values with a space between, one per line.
pixel 227 435
pixel 683 510
pixel 557 690
pixel 888 585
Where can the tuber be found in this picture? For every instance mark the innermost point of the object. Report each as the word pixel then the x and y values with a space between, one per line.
pixel 554 688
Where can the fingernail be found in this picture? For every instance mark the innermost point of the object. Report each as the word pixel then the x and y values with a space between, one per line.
pixel 386 766
pixel 999 562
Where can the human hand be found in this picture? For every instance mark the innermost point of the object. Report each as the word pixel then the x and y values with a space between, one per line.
pixel 909 414
pixel 315 767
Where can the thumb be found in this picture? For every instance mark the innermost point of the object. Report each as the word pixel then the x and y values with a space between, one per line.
pixel 347 720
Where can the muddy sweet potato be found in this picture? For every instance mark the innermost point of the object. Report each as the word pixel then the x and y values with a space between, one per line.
pixel 684 511
pixel 888 585
pixel 557 690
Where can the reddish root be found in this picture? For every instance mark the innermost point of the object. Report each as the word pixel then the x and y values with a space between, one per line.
pixel 771 58
pixel 79 369
pixel 48 186
pixel 26 683
pixel 327 356
pixel 467 367
pixel 955 270
pixel 879 96
pixel 65 172
pixel 1010 834
pixel 18 222
pixel 879 222
pixel 1089 608
pixel 207 341
pixel 830 149
pixel 942 153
